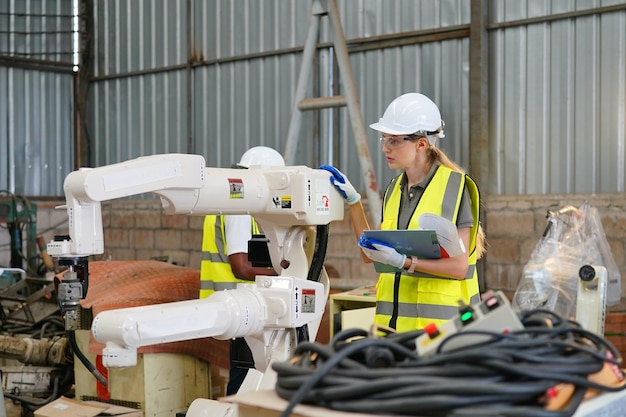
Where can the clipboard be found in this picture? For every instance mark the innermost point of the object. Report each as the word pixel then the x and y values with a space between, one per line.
pixel 421 243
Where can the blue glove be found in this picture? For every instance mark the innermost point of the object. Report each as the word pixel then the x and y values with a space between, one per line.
pixel 381 252
pixel 342 185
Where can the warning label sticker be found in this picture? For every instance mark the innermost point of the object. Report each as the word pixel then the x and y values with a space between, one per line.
pixel 321 197
pixel 235 186
pixel 282 202
pixel 308 300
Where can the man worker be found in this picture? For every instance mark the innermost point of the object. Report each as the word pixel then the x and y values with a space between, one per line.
pixel 225 260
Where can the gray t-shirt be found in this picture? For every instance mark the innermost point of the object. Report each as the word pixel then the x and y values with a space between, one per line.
pixel 410 198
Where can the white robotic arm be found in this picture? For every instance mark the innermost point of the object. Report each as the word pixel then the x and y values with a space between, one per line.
pixel 270 303
pixel 279 198
pixel 285 201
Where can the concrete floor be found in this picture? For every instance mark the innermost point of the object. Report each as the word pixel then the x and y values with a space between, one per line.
pixel 11 409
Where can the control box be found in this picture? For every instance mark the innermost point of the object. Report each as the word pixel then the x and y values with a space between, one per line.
pixel 493 314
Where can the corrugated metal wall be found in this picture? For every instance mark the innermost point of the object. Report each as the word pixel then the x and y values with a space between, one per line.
pixel 156 92
pixel 245 58
pixel 557 97
pixel 35 96
pixel 244 94
pixel 216 77
pixel 423 47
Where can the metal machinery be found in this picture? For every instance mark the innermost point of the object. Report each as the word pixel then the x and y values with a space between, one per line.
pixel 17 214
pixel 273 314
pixel 30 324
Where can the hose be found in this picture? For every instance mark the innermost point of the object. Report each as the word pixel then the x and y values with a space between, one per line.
pixel 92 369
pixel 315 271
pixel 319 255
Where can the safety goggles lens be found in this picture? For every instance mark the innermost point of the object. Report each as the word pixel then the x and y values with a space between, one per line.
pixel 394 141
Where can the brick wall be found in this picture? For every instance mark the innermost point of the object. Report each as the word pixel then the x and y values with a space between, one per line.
pixel 137 229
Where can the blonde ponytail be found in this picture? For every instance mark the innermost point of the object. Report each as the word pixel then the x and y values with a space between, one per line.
pixel 436 155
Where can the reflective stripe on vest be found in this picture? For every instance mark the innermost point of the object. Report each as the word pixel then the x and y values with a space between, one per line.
pixel 468 274
pixel 425 310
pixel 411 301
pixel 215 271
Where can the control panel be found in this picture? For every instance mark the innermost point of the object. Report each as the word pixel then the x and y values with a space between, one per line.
pixel 493 314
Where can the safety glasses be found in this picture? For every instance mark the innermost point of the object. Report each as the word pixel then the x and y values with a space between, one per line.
pixel 393 142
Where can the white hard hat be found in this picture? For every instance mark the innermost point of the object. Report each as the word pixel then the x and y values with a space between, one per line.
pixel 409 114
pixel 261 155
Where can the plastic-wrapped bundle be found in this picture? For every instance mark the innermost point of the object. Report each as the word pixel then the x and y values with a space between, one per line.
pixel 572 238
pixel 604 257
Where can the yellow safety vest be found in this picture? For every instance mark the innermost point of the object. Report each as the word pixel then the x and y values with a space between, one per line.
pixel 407 301
pixel 215 271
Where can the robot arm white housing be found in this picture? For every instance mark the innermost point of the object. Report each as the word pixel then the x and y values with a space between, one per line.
pixel 284 201
pixel 270 303
pixel 179 174
pixel 278 197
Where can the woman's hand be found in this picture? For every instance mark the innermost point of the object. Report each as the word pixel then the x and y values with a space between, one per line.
pixel 382 253
pixel 342 185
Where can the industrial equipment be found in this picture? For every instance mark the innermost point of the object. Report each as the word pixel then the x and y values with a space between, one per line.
pixel 591 298
pixel 493 314
pixel 19 215
pixel 33 335
pixel 572 260
pixel 273 314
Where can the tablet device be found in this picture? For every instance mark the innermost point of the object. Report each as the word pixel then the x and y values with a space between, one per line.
pixel 421 243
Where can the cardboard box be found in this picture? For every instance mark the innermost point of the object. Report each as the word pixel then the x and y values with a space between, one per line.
pixel 67 407
pixel 266 403
pixel 115 410
pixel 218 386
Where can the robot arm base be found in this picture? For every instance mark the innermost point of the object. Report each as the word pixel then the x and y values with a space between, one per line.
pixel 116 356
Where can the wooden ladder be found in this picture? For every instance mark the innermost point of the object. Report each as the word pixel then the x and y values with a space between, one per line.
pixel 319 9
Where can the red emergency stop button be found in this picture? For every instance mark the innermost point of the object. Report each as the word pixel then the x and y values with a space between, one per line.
pixel 431 330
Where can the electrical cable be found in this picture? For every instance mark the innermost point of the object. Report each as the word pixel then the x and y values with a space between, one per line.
pixel 84 360
pixel 319 254
pixel 519 374
pixel 315 271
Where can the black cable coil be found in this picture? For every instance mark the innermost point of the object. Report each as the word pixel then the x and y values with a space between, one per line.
pixel 519 374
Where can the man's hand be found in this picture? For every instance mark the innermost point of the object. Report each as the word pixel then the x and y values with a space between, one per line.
pixel 382 253
pixel 342 185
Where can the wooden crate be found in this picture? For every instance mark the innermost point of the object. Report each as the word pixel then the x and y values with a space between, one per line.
pixel 161 384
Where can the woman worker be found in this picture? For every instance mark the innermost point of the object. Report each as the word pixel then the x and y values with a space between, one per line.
pixel 422 291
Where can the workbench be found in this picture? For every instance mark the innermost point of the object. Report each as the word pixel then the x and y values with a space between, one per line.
pixel 354 308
